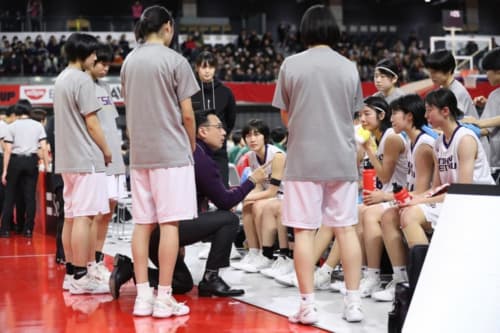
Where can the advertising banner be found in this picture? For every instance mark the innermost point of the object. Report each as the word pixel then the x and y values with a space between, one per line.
pixel 9 94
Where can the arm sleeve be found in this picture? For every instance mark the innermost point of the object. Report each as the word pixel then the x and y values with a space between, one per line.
pixel 209 183
pixel 86 98
pixel 8 134
pixel 41 134
pixel 358 98
pixel 281 99
pixel 186 85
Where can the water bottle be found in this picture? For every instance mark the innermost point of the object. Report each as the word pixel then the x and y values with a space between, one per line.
pixel 401 194
pixel 369 176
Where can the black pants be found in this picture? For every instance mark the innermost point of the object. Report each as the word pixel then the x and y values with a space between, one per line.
pixel 218 227
pixel 20 209
pixel 59 204
pixel 22 175
pixel 182 281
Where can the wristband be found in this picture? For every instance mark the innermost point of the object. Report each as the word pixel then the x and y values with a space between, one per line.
pixel 252 180
pixel 275 182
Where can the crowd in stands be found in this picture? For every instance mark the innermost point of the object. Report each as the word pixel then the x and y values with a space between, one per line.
pixel 35 56
pixel 251 58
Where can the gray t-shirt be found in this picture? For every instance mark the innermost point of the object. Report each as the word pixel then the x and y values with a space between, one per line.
pixel 155 79
pixel 464 100
pixel 466 104
pixel 25 135
pixel 107 117
pixel 321 90
pixel 74 98
pixel 492 109
pixel 3 132
pixel 396 93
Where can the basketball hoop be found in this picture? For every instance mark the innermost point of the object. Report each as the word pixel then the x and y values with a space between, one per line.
pixel 470 77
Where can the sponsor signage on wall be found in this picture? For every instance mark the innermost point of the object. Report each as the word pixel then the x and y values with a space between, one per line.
pixel 43 94
pixel 9 94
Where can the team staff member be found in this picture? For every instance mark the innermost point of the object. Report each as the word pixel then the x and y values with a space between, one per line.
pixel 214 95
pixel 3 132
pixel 219 226
pixel 20 167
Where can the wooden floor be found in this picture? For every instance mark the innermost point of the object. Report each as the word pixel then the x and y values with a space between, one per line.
pixel 32 300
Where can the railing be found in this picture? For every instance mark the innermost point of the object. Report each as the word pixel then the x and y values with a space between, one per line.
pixel 107 23
pixel 62 23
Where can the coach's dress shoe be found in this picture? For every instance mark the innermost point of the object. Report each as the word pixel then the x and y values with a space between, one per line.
pixel 216 286
pixel 28 233
pixel 123 270
pixel 4 234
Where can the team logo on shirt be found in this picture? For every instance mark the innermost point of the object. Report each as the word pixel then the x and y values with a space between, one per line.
pixel 446 163
pixel 411 170
pixel 105 100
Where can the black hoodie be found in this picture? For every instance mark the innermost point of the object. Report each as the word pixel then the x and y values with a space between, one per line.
pixel 217 97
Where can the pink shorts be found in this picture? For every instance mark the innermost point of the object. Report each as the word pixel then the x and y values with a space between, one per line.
pixel 308 205
pixel 117 187
pixel 85 194
pixel 163 195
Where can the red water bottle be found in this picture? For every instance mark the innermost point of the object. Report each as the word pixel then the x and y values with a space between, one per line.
pixel 401 194
pixel 369 176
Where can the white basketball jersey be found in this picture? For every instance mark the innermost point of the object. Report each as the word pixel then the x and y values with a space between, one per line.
pixel 447 157
pixel 422 139
pixel 254 162
pixel 401 169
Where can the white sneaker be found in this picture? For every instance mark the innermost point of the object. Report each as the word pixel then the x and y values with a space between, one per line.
pixel 386 294
pixel 246 259
pixel 306 315
pixel 281 266
pixel 338 286
pixel 235 254
pixel 322 280
pixel 164 308
pixel 257 263
pixel 87 285
pixel 352 311
pixel 369 285
pixel 67 281
pixel 143 305
pixel 288 280
pixel 101 272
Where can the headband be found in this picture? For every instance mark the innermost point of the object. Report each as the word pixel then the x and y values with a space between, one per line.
pixel 387 70
pixel 379 109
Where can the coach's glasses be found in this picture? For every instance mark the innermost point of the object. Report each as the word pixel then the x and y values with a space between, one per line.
pixel 219 126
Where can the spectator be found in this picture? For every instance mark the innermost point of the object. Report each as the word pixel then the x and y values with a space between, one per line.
pixel 136 11
pixel 34 12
